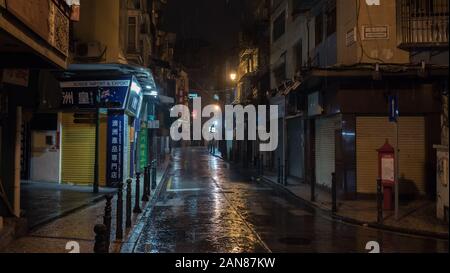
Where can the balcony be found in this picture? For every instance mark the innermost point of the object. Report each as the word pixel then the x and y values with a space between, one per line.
pixel 423 23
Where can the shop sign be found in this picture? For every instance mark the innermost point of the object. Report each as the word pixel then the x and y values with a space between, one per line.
pixel 143 148
pixel 82 94
pixel 134 100
pixel 116 124
pixel 314 107
pixel 375 32
pixel 18 77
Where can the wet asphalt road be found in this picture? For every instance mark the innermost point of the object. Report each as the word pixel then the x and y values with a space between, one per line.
pixel 209 206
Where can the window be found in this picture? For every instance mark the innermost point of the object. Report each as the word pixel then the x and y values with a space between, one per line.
pixel 423 22
pixel 298 50
pixel 331 21
pixel 132 34
pixel 279 26
pixel 319 29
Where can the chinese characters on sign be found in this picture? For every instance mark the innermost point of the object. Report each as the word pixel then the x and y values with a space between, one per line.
pixel 115 149
pixel 82 94
pixel 143 148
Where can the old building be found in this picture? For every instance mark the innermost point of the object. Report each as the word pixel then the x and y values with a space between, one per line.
pixel 338 73
pixel 29 42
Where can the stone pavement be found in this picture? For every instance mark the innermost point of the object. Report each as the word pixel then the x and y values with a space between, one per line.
pixel 416 217
pixel 53 236
pixel 43 202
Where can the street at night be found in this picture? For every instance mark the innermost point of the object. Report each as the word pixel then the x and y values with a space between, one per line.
pixel 224 135
pixel 210 206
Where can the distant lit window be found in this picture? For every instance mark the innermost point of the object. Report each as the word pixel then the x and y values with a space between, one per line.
pixel 279 26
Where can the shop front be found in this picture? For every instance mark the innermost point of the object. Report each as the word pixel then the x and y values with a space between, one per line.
pixel 118 103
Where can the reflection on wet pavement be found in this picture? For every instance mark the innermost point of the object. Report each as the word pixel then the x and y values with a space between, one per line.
pixel 210 206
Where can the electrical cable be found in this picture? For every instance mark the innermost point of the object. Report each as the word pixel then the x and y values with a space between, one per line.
pixel 363 52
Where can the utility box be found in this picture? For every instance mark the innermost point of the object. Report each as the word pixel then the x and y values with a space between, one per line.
pixel 386 171
pixel 442 183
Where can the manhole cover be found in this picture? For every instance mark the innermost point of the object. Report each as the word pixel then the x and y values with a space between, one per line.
pixel 294 241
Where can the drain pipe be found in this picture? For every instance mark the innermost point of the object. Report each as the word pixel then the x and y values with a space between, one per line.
pixel 17 162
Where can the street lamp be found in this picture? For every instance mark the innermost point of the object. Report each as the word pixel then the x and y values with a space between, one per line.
pixel 233 76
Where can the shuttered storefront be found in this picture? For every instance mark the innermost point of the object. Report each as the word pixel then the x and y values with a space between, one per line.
pixel 325 148
pixel 295 152
pixel 371 134
pixel 78 148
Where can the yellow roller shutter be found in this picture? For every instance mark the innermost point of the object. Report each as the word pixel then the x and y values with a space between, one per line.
pixel 371 133
pixel 78 148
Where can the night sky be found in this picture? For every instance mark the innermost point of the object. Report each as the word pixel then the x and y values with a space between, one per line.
pixel 207 35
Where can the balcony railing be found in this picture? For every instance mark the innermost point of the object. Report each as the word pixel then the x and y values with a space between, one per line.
pixel 423 23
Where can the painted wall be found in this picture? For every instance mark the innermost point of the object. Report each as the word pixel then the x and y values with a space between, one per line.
pixel 45 157
pixel 357 14
pixel 100 20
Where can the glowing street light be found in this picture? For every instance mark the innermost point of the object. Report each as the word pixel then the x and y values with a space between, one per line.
pixel 233 76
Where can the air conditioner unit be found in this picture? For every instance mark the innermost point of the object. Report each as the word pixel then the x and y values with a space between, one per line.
pixel 89 49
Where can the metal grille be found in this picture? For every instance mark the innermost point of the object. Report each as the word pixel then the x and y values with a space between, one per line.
pixel 424 23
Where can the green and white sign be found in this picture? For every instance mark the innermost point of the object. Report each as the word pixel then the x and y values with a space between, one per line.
pixel 143 148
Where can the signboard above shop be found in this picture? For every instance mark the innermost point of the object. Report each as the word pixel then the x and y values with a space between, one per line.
pixel 120 94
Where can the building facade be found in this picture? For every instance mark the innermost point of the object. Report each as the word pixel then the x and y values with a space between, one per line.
pixel 334 66
pixel 29 43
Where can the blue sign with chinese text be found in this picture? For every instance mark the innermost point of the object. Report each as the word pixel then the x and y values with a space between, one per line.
pixel 115 148
pixel 112 94
pixel 393 109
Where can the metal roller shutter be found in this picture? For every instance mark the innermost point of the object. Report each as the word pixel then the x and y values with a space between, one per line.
pixel 78 150
pixel 77 147
pixel 325 150
pixel 371 134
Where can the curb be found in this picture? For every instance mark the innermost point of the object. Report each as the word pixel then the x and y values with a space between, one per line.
pixel 145 213
pixel 428 234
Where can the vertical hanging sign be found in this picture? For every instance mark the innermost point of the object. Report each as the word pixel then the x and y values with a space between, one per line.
pixel 116 123
pixel 143 148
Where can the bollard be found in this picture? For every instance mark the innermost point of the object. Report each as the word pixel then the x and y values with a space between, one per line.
pixel 100 245
pixel 128 204
pixel 333 193
pixel 137 208
pixel 146 194
pixel 107 218
pixel 119 213
pixel 379 202
pixel 313 186
pixel 153 174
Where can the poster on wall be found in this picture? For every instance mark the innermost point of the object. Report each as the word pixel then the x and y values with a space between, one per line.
pixel 115 154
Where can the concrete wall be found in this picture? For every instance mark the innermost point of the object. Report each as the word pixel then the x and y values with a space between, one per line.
pixel 350 15
pixel 100 21
pixel 44 158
